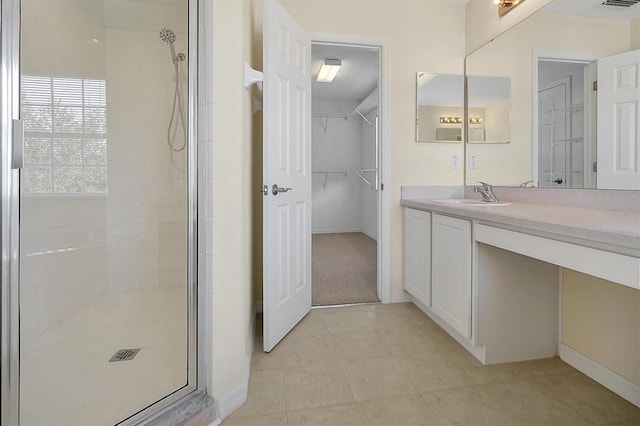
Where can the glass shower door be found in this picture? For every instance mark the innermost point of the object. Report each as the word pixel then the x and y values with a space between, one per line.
pixel 104 194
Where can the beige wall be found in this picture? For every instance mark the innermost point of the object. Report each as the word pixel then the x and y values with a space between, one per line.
pixel 483 23
pixel 635 34
pixel 232 206
pixel 419 36
pixel 511 55
pixel 601 320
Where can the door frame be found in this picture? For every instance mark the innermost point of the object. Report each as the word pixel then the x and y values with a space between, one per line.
pixel 384 197
pixel 559 56
pixel 9 178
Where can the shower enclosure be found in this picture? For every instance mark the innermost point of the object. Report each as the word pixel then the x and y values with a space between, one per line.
pixel 99 217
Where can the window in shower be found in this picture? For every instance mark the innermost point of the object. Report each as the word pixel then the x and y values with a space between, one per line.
pixel 65 134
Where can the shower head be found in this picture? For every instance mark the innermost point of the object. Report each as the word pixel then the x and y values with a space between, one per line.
pixel 167 35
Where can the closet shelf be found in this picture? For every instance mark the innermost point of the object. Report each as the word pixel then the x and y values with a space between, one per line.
pixel 360 174
pixel 326 174
pixel 366 106
pixel 327 116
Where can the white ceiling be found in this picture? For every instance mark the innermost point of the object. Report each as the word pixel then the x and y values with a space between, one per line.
pixel 357 78
pixel 592 8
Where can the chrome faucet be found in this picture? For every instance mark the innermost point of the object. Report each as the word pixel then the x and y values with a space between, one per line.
pixel 487 193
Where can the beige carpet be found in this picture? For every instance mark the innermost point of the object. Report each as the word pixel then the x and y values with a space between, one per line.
pixel 344 269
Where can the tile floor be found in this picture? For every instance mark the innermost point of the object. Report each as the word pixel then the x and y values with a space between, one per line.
pixel 391 365
pixel 66 378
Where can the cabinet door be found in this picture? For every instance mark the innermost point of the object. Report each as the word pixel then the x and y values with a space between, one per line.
pixel 417 254
pixel 451 272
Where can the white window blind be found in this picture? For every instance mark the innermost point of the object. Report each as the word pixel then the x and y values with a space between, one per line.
pixel 65 123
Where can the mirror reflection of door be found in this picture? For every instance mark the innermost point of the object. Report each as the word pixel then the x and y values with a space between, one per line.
pixel 553 146
pixel 564 146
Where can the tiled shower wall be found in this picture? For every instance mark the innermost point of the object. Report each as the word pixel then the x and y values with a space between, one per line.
pixel 78 247
pixel 146 214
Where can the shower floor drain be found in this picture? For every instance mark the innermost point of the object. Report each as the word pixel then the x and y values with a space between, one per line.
pixel 125 355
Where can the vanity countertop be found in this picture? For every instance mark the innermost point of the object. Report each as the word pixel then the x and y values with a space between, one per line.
pixel 611 230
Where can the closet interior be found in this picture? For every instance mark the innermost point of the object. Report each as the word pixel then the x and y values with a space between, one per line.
pixel 346 165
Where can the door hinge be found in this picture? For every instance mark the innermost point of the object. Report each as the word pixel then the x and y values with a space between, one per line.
pixel 382 187
pixel 595 86
pixel 594 167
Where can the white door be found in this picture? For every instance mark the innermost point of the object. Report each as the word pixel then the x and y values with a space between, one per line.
pixel 619 121
pixel 451 272
pixel 287 164
pixel 552 134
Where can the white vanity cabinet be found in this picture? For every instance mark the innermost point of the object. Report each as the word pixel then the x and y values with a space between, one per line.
pixel 417 255
pixel 437 266
pixel 451 272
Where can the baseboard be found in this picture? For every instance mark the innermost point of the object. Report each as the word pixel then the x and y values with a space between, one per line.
pixel 231 402
pixel 401 297
pixel 373 237
pixel 335 231
pixel 607 378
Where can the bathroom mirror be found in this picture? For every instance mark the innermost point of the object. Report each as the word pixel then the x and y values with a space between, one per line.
pixel 489 99
pixel 560 136
pixel 439 107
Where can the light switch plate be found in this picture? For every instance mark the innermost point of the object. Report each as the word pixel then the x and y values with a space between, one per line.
pixel 473 162
pixel 454 161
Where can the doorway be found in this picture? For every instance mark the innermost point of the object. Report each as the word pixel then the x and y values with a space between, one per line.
pixel 345 167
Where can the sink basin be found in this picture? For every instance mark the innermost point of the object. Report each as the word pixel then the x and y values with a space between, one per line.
pixel 471 202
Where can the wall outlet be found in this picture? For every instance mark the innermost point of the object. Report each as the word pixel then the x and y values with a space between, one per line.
pixel 473 162
pixel 453 159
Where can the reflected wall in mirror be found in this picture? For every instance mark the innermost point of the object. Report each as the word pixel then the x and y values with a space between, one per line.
pixel 439 110
pixel 563 134
pixel 489 100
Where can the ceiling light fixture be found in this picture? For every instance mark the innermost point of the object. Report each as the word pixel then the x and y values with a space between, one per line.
pixel 330 68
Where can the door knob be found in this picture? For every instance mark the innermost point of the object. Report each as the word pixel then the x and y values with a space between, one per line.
pixel 558 181
pixel 275 189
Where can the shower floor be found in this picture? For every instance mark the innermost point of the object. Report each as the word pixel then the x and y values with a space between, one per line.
pixel 66 378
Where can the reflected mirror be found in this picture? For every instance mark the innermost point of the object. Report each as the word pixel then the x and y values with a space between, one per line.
pixel 439 111
pixel 565 134
pixel 489 99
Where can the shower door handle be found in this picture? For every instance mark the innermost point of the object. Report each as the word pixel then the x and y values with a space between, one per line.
pixel 17 151
pixel 275 189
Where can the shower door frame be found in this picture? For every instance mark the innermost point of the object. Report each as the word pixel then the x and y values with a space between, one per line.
pixel 10 228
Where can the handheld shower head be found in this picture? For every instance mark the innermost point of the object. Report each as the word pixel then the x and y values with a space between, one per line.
pixel 168 36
